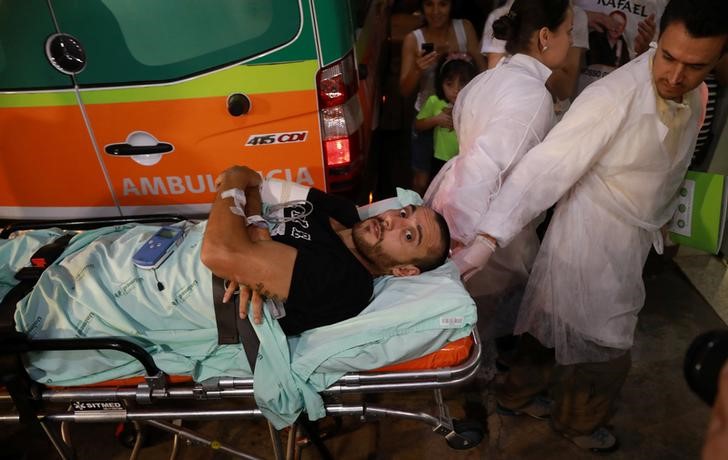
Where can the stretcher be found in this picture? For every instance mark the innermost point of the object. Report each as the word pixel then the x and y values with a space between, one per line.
pixel 165 401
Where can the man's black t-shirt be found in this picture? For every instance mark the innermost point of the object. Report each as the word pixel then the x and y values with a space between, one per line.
pixel 329 284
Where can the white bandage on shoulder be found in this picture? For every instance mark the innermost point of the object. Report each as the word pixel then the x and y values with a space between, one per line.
pixel 275 191
pixel 238 197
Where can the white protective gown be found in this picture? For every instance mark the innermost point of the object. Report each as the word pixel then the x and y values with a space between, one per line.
pixel 498 117
pixel 616 180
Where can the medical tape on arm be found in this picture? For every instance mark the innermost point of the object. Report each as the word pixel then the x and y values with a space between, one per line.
pixel 257 220
pixel 238 197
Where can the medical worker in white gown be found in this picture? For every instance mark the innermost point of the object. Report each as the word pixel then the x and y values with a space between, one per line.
pixel 614 163
pixel 498 117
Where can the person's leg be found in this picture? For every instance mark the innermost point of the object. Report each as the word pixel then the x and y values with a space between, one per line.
pixel 422 154
pixel 420 181
pixel 584 400
pixel 436 166
pixel 529 374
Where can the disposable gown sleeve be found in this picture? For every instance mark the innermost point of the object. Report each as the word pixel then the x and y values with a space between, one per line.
pixel 552 167
pixel 489 158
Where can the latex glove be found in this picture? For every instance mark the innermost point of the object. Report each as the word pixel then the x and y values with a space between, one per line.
pixel 471 259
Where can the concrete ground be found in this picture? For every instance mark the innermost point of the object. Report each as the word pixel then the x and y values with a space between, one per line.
pixel 658 417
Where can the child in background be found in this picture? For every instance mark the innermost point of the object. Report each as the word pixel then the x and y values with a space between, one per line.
pixel 454 72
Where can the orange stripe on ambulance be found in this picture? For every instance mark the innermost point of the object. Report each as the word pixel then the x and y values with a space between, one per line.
pixel 201 183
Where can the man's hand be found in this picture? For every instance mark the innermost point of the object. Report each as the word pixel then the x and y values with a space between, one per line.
pixel 425 61
pixel 645 33
pixel 444 119
pixel 238 176
pixel 256 304
pixel 601 22
pixel 246 295
pixel 258 233
pixel 471 259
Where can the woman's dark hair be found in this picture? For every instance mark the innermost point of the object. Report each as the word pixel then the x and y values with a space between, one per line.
pixel 701 18
pixel 526 17
pixel 453 67
pixel 422 9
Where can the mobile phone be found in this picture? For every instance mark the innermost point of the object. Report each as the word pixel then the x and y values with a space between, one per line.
pixel 428 47
pixel 158 247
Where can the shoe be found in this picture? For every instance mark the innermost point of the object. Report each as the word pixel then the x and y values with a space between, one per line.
pixel 538 408
pixel 601 441
pixel 502 365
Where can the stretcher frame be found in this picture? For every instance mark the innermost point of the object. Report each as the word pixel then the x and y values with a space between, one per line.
pixel 161 402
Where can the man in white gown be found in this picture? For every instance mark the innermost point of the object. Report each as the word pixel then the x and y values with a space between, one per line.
pixel 614 164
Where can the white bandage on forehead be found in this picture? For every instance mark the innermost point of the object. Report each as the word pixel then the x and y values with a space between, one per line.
pixel 404 198
pixel 274 191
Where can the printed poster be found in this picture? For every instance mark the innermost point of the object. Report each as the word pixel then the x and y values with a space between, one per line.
pixel 613 48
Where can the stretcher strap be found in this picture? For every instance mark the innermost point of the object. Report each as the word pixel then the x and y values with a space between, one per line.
pixel 28 277
pixel 230 327
pixel 12 372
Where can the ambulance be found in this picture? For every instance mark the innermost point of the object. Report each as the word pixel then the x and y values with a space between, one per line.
pixel 128 107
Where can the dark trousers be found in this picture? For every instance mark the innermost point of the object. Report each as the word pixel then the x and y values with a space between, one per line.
pixel 584 394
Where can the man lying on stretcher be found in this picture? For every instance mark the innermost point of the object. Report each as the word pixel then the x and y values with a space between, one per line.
pixel 320 265
pixel 98 288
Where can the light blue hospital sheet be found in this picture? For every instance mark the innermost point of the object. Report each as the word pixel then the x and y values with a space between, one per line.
pixel 95 290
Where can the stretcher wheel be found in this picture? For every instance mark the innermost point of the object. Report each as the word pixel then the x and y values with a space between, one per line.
pixel 126 434
pixel 470 434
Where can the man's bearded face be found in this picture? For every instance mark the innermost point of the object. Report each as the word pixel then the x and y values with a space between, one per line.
pixel 368 236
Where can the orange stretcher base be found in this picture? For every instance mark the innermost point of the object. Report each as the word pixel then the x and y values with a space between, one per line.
pixel 451 354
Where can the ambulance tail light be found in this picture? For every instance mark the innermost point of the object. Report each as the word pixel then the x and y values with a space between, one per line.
pixel 341 119
pixel 337 82
pixel 338 151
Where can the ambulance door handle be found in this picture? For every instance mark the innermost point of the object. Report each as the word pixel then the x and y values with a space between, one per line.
pixel 131 150
pixel 141 147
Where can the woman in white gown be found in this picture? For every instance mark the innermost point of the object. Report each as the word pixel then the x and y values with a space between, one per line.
pixel 498 117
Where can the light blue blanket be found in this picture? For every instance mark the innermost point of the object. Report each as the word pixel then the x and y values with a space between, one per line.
pixel 95 290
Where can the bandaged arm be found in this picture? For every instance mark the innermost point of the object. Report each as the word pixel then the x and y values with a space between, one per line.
pixel 229 252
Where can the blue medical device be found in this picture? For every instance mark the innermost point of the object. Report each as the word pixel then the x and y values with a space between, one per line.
pixel 157 248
